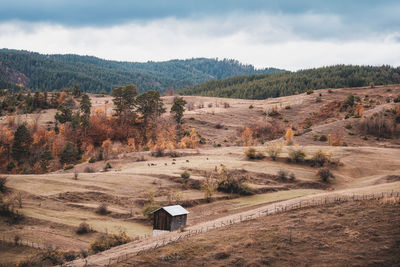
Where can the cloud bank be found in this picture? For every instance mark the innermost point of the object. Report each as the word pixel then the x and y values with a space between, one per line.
pixel 289 34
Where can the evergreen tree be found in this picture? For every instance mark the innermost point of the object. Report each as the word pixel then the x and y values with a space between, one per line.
pixel 150 105
pixel 85 110
pixel 76 91
pixel 124 101
pixel 178 108
pixel 65 115
pixel 69 154
pixel 21 146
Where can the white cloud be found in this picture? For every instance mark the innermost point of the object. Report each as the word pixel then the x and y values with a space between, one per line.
pixel 259 39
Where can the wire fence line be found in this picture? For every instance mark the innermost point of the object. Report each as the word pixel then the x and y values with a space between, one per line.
pixel 7 240
pixel 169 238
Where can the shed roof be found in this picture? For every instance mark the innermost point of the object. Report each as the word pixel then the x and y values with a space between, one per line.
pixel 174 210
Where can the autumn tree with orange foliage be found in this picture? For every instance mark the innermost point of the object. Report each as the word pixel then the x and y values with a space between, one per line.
pixel 247 137
pixel 289 137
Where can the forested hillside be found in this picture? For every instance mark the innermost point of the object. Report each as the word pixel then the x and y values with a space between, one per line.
pixel 54 72
pixel 288 83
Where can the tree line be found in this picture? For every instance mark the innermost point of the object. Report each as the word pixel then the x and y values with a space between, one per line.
pixel 55 72
pixel 80 133
pixel 289 83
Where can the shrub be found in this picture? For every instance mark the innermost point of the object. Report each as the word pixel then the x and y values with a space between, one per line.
pixel 106 242
pixel 325 174
pixel 323 138
pixel 348 126
pixel 292 177
pixel 7 210
pixel 158 152
pixel 310 91
pixel 228 182
pixel 70 255
pixel 274 150
pixel 102 209
pixel 288 107
pixel 83 228
pixel 92 160
pixel 10 166
pixel 219 126
pixel 252 153
pixel 251 107
pixel 149 208
pixel 76 175
pixel 185 176
pixel 348 102
pixel 397 99
pixel 3 181
pixel 68 167
pixel 108 166
pixel 320 158
pixel 297 155
pixel 282 175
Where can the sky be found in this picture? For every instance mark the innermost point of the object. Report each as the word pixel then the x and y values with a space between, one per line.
pixel 288 34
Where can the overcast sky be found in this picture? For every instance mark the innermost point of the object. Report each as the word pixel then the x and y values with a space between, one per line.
pixel 286 34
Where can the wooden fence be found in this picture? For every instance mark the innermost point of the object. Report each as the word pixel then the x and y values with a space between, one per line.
pixel 278 208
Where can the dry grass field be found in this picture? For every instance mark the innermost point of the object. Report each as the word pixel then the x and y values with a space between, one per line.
pixel 350 234
pixel 55 204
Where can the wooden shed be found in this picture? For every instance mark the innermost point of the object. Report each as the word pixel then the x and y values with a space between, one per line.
pixel 170 218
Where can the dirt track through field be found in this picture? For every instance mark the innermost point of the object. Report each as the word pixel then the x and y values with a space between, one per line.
pixel 124 252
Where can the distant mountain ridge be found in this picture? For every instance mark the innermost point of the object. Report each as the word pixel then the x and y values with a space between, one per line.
pixel 288 83
pixel 54 72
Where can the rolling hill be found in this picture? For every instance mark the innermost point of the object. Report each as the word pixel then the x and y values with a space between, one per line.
pixel 263 86
pixel 54 72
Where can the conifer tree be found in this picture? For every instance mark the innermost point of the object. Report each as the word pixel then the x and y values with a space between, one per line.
pixel 22 140
pixel 178 108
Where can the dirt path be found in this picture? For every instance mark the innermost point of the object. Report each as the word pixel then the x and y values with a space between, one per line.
pixel 126 251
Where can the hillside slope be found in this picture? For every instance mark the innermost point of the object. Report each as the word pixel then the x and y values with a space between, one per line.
pixel 353 233
pixel 49 72
pixel 288 83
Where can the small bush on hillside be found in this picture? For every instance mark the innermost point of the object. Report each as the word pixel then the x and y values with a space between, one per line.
pixel 297 155
pixel 158 152
pixel 8 211
pixel 92 160
pixel 274 150
pixel 185 176
pixel 251 107
pixel 219 126
pixel 149 208
pixel 397 99
pixel 323 138
pixel 106 242
pixel 68 167
pixel 3 181
pixel 102 209
pixel 325 174
pixel 310 91
pixel 319 158
pixel 252 153
pixel 282 175
pixel 228 182
pixel 83 228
